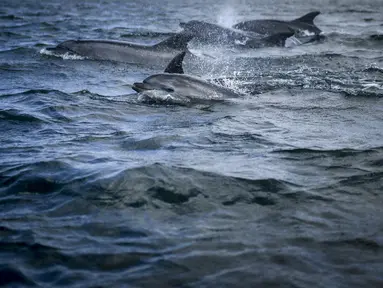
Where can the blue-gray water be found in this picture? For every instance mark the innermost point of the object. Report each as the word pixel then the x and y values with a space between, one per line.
pixel 280 188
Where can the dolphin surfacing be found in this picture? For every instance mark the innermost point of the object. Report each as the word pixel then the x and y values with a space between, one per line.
pixel 272 26
pixel 124 51
pixel 213 33
pixel 185 89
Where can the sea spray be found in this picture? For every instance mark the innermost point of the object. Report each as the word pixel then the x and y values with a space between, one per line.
pixel 65 56
pixel 228 14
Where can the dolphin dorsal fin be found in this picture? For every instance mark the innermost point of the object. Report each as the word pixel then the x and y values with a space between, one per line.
pixel 178 41
pixel 175 66
pixel 279 39
pixel 308 18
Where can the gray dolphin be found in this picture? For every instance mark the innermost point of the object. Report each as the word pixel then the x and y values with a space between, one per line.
pixel 272 26
pixel 180 88
pixel 212 33
pixel 160 53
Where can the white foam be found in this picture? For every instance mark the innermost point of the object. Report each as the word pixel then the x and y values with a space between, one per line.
pixel 239 42
pixel 306 33
pixel 159 96
pixel 233 83
pixel 372 85
pixel 65 56
pixel 292 41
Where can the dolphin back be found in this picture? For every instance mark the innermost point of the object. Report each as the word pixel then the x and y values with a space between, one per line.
pixel 308 18
pixel 278 39
pixel 178 41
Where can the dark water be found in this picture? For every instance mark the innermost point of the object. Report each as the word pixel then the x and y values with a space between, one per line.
pixel 281 188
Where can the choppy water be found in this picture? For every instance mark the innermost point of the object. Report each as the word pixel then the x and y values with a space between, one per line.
pixel 281 188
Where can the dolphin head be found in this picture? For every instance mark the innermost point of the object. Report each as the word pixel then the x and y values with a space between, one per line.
pixel 179 87
pixel 173 84
pixel 171 88
pixel 156 82
pixel 165 81
pixel 64 47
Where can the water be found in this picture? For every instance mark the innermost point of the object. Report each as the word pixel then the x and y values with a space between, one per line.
pixel 280 188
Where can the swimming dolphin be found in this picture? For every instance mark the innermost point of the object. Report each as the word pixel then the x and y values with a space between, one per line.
pixel 179 88
pixel 212 33
pixel 271 26
pixel 160 53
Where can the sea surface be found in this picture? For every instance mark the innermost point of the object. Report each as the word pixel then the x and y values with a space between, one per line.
pixel 279 188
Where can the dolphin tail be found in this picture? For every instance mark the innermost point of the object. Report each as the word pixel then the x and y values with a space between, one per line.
pixel 278 39
pixel 178 41
pixel 175 66
pixel 308 18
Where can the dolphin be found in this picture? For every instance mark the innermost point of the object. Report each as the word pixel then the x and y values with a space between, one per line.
pixel 212 33
pixel 271 26
pixel 177 87
pixel 160 53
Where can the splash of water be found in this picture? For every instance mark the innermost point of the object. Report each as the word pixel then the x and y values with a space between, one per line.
pixel 161 97
pixel 233 82
pixel 292 41
pixel 306 33
pixel 228 15
pixel 66 56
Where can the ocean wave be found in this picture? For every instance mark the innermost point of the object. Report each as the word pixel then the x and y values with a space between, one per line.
pixel 47 265
pixel 372 180
pixel 241 136
pixel 40 177
pixel 161 185
pixel 33 106
pixel 363 243
pixel 373 69
pixel 155 185
pixel 351 167
pixel 377 37
pixel 10 17
pixel 19 116
pixel 319 153
pixel 17 51
pixel 18 67
pixel 42 26
pixel 44 256
pixel 10 275
pixel 151 143
pixel 365 11
pixel 37 102
pixel 8 34
pixel 164 261
pixel 35 91
pixel 365 92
